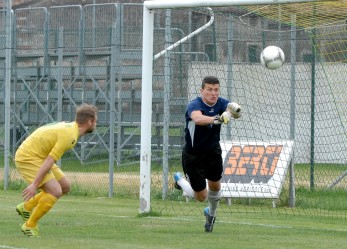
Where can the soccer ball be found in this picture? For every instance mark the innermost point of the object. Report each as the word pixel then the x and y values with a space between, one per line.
pixel 272 57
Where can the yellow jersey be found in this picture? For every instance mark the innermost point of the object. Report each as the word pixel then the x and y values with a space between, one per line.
pixel 49 140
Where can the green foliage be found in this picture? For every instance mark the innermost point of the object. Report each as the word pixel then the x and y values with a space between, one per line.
pixel 149 214
pixel 15 185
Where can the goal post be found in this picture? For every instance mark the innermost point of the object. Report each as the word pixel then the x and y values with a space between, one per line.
pixel 149 8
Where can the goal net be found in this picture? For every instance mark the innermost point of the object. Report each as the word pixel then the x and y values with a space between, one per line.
pixel 289 147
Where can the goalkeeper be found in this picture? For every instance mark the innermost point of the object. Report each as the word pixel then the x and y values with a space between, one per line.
pixel 202 154
pixel 35 160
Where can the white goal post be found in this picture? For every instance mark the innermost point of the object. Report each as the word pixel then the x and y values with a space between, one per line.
pixel 147 70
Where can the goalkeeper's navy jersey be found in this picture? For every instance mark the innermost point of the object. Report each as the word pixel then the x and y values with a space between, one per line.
pixel 203 138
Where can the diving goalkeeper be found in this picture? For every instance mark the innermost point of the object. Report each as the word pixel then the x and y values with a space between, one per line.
pixel 35 160
pixel 202 154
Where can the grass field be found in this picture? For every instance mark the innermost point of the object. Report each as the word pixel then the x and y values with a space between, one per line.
pixel 89 222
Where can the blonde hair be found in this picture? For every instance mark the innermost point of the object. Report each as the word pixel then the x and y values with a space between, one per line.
pixel 85 112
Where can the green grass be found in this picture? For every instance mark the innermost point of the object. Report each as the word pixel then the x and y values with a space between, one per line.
pixel 323 199
pixel 320 199
pixel 131 166
pixel 91 222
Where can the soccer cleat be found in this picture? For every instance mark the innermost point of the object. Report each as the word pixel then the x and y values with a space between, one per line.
pixel 23 212
pixel 177 176
pixel 30 231
pixel 209 220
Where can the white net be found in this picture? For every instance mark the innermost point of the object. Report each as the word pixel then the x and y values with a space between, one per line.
pixel 294 114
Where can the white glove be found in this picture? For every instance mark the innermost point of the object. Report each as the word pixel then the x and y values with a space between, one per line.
pixel 222 119
pixel 234 109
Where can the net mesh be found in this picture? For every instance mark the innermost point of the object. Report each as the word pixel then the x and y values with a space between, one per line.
pixel 303 102
pixel 308 15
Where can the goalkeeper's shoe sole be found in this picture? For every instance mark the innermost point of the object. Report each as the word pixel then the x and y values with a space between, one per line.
pixel 32 232
pixel 209 220
pixel 25 214
pixel 177 176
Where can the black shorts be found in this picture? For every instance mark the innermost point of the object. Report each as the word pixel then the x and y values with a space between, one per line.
pixel 201 166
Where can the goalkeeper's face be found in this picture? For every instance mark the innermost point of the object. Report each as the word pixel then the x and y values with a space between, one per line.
pixel 210 93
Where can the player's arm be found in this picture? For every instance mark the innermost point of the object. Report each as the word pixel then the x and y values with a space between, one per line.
pixel 200 119
pixel 30 191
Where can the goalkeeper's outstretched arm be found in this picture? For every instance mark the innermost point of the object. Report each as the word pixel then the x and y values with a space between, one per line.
pixel 200 119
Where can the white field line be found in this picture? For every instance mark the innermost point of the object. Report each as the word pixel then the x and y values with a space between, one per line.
pixel 11 247
pixel 199 220
pixel 225 222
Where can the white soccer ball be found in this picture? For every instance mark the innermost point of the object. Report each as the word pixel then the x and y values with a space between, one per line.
pixel 272 57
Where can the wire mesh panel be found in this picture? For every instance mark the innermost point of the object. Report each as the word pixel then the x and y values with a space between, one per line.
pixel 132 23
pixel 30 25
pixel 54 71
pixel 67 55
pixel 98 21
pixel 68 18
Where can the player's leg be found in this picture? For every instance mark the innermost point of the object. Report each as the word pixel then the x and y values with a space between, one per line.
pixel 179 181
pixel 213 196
pixel 182 183
pixel 28 170
pixel 51 193
pixel 65 185
pixel 214 171
pixel 62 179
pixel 195 185
pixel 187 188
pixel 52 188
pixel 214 174
pixel 24 209
pixel 194 168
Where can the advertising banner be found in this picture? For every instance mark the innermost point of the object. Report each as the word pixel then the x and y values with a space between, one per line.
pixel 255 169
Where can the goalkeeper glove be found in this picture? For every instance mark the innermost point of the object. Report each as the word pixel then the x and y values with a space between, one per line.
pixel 234 109
pixel 222 119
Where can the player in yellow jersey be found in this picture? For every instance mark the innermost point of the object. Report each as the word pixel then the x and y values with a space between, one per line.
pixel 35 160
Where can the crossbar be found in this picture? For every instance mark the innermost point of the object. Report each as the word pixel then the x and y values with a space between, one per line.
pixel 171 4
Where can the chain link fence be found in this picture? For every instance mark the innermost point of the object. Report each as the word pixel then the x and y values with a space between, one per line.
pixel 67 55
